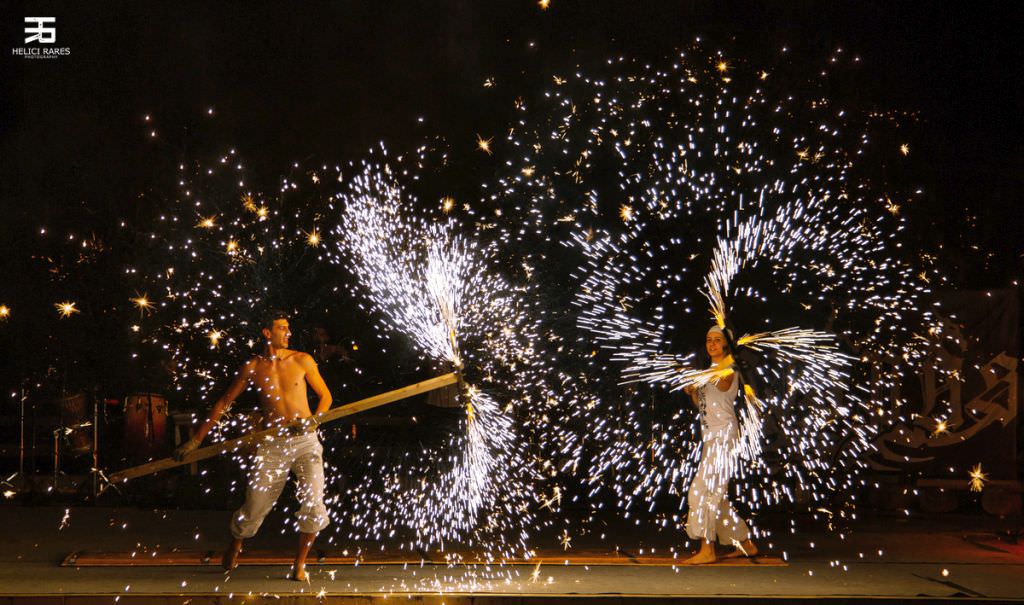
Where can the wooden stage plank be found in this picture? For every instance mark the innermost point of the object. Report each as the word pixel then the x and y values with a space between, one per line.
pixel 334 557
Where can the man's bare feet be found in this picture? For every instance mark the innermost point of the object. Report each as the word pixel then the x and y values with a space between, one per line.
pixel 230 560
pixel 745 548
pixel 704 556
pixel 299 567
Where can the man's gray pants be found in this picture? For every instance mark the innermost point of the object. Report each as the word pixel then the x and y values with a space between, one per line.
pixel 268 473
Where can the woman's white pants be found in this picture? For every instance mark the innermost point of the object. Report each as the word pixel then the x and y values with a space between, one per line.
pixel 711 515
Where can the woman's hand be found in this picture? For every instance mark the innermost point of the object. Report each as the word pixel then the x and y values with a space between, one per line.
pixel 691 390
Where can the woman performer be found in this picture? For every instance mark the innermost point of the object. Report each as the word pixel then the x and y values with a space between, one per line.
pixel 711 515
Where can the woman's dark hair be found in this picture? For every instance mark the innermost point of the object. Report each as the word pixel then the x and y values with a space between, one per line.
pixel 702 359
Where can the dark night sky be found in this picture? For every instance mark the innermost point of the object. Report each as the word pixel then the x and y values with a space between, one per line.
pixel 326 80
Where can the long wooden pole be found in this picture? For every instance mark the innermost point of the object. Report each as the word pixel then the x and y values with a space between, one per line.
pixel 236 444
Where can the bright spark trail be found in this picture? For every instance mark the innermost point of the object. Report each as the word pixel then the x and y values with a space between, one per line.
pixel 440 289
pixel 660 191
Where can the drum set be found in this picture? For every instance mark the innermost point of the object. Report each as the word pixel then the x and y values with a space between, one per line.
pixel 81 421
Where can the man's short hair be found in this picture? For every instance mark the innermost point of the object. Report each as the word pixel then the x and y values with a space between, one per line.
pixel 268 319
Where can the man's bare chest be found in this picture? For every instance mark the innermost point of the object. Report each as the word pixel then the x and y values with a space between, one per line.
pixel 284 374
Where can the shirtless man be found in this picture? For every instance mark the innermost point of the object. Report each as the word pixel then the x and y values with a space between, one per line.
pixel 280 376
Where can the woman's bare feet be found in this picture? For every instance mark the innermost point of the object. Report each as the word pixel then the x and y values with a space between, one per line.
pixel 298 574
pixel 230 560
pixel 745 548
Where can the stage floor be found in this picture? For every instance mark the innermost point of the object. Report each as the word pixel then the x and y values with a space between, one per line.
pixel 947 558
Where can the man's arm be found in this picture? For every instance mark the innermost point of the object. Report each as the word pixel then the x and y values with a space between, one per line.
pixel 237 386
pixel 316 382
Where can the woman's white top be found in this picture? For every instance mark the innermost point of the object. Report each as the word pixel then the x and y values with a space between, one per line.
pixel 716 406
